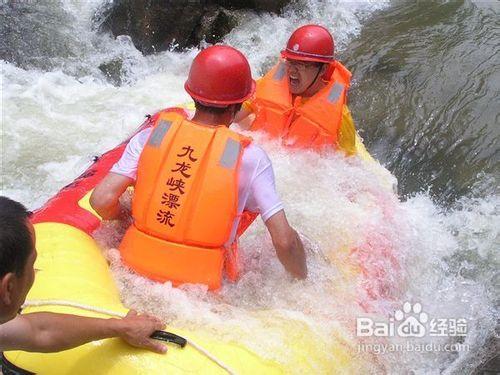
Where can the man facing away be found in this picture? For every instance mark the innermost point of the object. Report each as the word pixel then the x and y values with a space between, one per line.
pixel 303 99
pixel 44 331
pixel 193 180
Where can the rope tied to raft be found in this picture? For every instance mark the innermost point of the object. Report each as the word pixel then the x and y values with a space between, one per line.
pixel 41 303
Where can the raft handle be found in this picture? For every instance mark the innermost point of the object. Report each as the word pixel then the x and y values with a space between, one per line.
pixel 169 337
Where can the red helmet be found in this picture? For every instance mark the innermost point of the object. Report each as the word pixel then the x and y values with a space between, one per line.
pixel 220 76
pixel 310 43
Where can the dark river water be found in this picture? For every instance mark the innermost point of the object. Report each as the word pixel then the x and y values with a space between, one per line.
pixel 427 94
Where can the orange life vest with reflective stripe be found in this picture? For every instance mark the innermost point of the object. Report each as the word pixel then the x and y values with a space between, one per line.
pixel 313 124
pixel 185 203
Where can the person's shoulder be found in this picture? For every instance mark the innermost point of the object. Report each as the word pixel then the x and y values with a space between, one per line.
pixel 254 155
pixel 12 331
pixel 253 150
pixel 144 133
pixel 141 137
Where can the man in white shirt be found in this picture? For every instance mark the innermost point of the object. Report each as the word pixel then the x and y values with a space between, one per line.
pixel 219 81
pixel 256 188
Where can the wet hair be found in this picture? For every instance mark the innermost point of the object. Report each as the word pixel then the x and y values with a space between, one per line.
pixel 15 238
pixel 214 110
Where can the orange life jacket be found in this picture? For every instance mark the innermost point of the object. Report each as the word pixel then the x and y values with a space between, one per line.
pixel 313 124
pixel 185 203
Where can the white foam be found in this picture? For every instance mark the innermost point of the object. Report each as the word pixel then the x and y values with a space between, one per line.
pixel 338 204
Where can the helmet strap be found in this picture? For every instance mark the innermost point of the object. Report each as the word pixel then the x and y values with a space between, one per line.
pixel 315 78
pixel 329 71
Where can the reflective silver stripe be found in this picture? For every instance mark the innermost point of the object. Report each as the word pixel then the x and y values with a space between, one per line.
pixel 159 133
pixel 335 92
pixel 231 153
pixel 280 72
pixel 302 53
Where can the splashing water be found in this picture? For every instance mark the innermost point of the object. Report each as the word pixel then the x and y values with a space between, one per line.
pixel 368 253
pixel 337 204
pixel 260 309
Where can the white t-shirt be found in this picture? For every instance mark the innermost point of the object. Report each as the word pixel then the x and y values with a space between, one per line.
pixel 256 186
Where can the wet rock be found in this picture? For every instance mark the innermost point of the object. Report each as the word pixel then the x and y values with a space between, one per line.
pixel 113 71
pixel 258 5
pixel 158 25
pixel 215 23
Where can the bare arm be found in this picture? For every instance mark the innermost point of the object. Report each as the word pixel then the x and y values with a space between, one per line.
pixel 49 332
pixel 105 198
pixel 289 247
